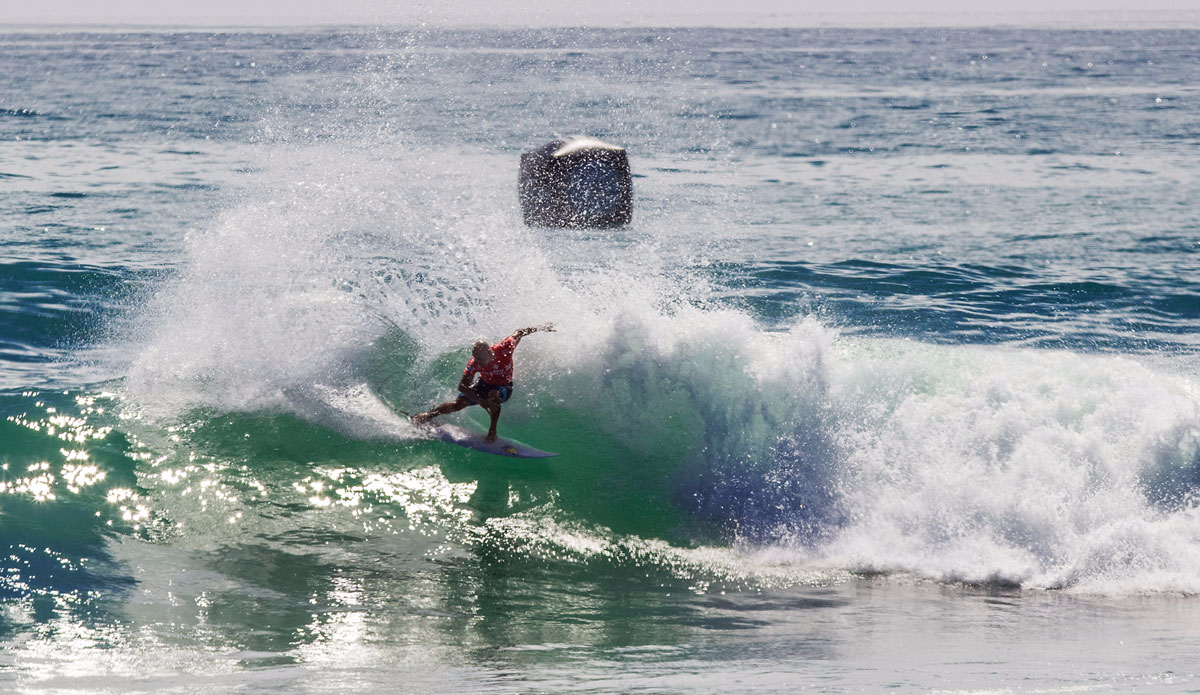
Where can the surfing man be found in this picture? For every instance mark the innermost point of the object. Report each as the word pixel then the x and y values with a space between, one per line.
pixel 487 381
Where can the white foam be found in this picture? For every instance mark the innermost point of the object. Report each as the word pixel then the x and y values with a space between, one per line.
pixel 1047 469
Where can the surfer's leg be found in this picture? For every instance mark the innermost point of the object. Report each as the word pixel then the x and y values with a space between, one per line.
pixel 492 405
pixel 443 409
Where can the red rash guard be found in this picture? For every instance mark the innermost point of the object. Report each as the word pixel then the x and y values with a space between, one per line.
pixel 500 371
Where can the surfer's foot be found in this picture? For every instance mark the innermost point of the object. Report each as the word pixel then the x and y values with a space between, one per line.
pixel 491 437
pixel 422 418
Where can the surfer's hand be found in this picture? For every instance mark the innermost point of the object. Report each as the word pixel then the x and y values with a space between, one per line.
pixel 521 333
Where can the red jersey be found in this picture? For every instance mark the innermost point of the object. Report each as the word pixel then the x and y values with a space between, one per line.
pixel 500 371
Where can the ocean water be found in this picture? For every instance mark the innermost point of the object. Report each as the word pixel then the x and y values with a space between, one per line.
pixel 893 382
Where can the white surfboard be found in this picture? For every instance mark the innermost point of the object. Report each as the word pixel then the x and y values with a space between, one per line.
pixel 454 434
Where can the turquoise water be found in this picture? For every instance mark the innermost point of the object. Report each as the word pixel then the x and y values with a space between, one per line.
pixel 892 382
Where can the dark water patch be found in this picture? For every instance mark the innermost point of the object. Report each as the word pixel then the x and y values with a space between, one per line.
pixel 42 209
pixel 971 303
pixel 34 570
pixel 68 194
pixel 57 494
pixel 724 622
pixel 999 271
pixel 1053 236
pixel 312 537
pixel 186 186
pixel 860 263
pixel 1172 105
pixel 4 175
pixel 17 352
pixel 49 307
pixel 1181 307
pixel 19 113
pixel 783 601
pixel 1085 291
pixel 260 565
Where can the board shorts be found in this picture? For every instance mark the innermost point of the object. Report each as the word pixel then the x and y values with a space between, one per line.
pixel 483 390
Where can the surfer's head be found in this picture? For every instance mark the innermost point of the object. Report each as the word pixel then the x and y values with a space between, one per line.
pixel 482 352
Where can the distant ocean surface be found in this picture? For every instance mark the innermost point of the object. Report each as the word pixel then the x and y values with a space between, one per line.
pixel 893 382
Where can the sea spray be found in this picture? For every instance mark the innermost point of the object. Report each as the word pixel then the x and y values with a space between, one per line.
pixel 290 286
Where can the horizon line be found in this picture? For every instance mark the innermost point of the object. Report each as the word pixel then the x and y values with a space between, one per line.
pixel 1135 19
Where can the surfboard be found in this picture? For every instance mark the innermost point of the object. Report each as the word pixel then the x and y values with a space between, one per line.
pixel 454 434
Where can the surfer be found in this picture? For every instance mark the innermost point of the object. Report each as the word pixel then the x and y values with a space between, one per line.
pixel 487 381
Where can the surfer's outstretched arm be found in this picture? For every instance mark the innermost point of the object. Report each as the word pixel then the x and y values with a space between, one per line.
pixel 522 332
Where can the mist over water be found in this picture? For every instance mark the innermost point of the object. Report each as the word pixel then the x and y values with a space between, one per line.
pixel 903 316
